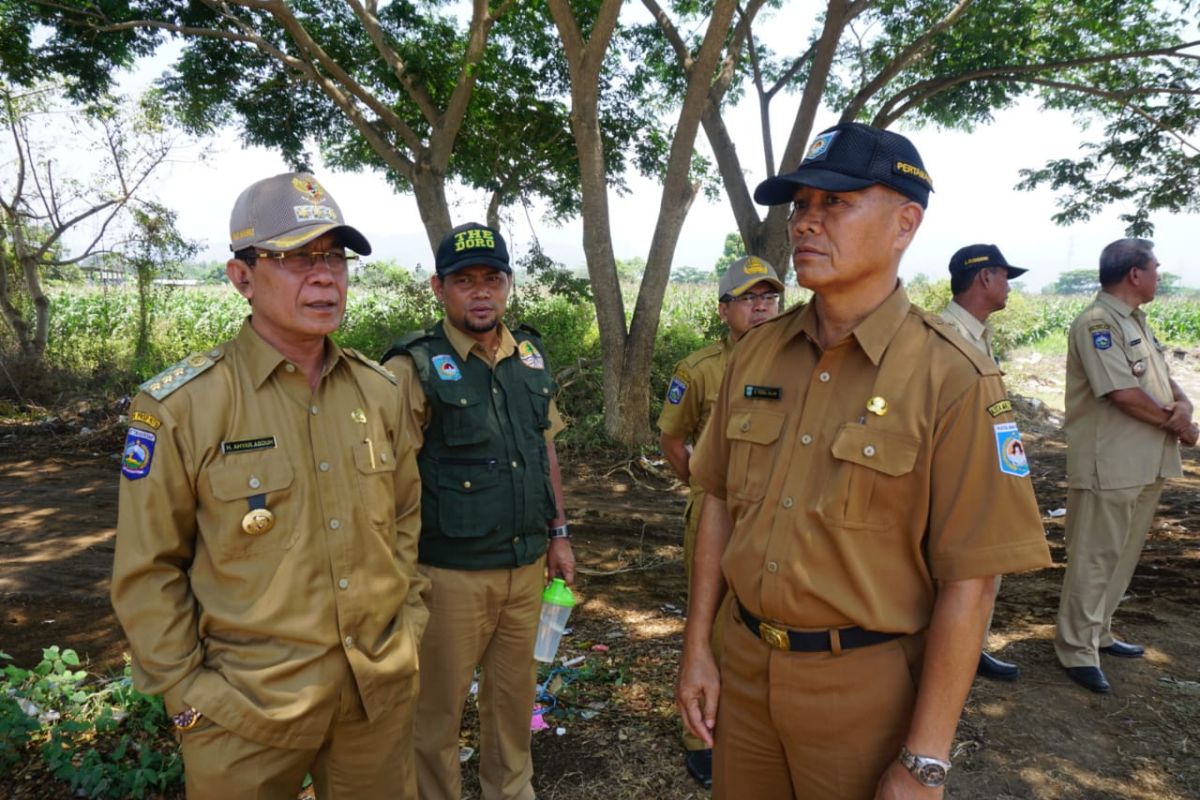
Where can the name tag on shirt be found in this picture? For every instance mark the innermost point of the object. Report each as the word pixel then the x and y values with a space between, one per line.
pixel 247 445
pixel 763 392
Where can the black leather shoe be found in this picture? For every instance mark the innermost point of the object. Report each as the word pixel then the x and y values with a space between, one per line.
pixel 997 670
pixel 1124 650
pixel 1090 678
pixel 699 766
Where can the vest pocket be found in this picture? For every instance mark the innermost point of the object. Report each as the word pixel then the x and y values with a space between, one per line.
pixel 464 414
pixel 234 480
pixel 540 393
pixel 463 508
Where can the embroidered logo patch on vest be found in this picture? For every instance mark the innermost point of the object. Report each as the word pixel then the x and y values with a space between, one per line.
pixel 1010 449
pixel 138 453
pixel 446 368
pixel 530 356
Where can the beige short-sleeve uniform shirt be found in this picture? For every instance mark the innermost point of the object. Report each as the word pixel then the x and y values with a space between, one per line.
pixel 856 477
pixel 693 391
pixel 257 631
pixel 1111 347
pixel 976 332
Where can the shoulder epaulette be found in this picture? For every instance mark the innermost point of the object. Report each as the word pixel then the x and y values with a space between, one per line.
pixel 704 353
pixel 529 329
pixel 980 359
pixel 402 344
pixel 370 362
pixel 177 375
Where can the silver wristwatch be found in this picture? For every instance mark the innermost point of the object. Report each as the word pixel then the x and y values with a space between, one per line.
pixel 928 771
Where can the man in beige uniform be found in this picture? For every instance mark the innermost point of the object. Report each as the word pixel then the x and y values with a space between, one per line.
pixel 1125 419
pixel 979 276
pixel 848 459
pixel 265 569
pixel 748 293
pixel 492 519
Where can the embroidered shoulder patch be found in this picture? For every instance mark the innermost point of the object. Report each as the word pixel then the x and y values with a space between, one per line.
pixel 138 453
pixel 1102 339
pixel 676 390
pixel 1011 450
pixel 146 419
pixel 446 368
pixel 530 356
pixel 1002 407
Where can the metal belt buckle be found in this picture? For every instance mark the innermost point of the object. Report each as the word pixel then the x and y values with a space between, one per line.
pixel 775 637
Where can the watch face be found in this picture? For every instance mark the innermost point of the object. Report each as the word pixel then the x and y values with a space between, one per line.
pixel 931 774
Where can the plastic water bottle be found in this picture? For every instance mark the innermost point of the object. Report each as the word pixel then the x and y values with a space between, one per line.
pixel 557 602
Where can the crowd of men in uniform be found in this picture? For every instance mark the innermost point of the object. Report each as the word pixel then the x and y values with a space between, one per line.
pixel 301 526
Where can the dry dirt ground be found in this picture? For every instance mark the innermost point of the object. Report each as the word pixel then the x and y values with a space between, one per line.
pixel 1042 737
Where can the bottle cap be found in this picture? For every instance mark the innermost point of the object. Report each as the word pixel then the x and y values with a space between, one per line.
pixel 558 594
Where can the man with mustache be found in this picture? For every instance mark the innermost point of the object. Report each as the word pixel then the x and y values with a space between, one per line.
pixel 265 569
pixel 492 521
pixel 863 493
pixel 748 293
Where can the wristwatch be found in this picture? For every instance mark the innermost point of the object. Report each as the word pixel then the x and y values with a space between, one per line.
pixel 559 532
pixel 928 771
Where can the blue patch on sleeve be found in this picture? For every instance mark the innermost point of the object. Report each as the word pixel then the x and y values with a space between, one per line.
pixel 676 391
pixel 1102 340
pixel 138 453
pixel 1011 450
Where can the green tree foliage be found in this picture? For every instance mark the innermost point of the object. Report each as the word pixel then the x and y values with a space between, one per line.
pixel 1075 281
pixel 734 249
pixel 686 274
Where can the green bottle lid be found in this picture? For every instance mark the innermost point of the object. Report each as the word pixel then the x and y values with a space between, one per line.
pixel 558 594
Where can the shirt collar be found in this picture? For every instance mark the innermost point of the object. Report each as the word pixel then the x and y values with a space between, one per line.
pixel 873 334
pixel 1116 304
pixel 262 359
pixel 464 345
pixel 968 320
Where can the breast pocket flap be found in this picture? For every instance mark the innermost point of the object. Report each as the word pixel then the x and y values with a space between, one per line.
pixel 756 427
pixel 245 475
pixel 884 451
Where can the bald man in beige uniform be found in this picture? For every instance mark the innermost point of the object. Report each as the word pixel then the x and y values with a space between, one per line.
pixel 848 459
pixel 1125 420
pixel 979 276
pixel 266 558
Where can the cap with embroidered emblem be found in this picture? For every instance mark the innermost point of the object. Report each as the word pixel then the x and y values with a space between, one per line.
pixel 744 273
pixel 288 211
pixel 850 157
pixel 975 256
pixel 471 245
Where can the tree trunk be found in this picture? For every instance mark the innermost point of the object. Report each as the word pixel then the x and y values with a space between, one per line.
pixel 429 188
pixel 12 315
pixel 41 307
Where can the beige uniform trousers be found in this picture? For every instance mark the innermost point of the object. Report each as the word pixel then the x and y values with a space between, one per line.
pixel 810 725
pixel 691 522
pixel 487 618
pixel 1106 530
pixel 358 759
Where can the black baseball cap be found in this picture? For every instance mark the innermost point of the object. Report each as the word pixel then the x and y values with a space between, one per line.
pixel 471 245
pixel 974 256
pixel 849 157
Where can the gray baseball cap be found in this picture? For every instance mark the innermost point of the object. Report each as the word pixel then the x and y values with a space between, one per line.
pixel 744 273
pixel 286 212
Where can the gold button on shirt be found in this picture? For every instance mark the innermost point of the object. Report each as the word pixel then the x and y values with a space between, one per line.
pixel 257 631
pixel 860 512
pixel 1111 347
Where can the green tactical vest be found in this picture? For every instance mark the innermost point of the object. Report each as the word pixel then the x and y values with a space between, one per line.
pixel 485 479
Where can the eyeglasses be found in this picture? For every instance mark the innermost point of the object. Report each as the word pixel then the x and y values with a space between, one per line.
pixel 752 299
pixel 337 261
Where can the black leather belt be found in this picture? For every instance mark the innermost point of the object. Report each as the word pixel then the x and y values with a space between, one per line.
pixel 811 641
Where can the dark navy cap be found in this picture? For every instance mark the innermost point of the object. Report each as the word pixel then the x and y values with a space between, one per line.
pixel 850 157
pixel 974 256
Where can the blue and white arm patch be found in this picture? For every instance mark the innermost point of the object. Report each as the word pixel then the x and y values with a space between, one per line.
pixel 676 390
pixel 138 453
pixel 1011 450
